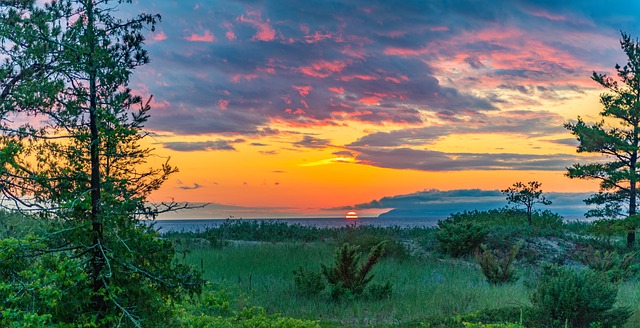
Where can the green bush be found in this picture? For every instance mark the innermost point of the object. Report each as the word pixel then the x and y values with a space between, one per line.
pixel 348 277
pixel 378 292
pixel 212 309
pixel 577 299
pixel 497 265
pixel 612 265
pixel 308 283
pixel 459 238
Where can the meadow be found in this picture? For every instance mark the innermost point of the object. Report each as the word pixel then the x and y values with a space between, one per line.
pixel 253 263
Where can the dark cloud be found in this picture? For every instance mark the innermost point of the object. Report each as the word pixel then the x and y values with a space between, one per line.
pixel 202 145
pixel 258 144
pixel 194 187
pixel 428 160
pixel 312 142
pixel 573 142
pixel 529 123
pixel 343 153
pixel 441 203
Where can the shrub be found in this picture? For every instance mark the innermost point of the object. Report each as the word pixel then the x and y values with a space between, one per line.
pixel 308 283
pixel 348 277
pixel 459 238
pixel 380 291
pixel 613 266
pixel 497 265
pixel 576 299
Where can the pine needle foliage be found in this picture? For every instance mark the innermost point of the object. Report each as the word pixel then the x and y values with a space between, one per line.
pixel 348 276
pixel 496 265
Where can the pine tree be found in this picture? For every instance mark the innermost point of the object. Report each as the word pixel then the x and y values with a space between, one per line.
pixel 617 138
pixel 79 162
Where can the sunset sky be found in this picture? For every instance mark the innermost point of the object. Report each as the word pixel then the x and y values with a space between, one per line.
pixel 309 108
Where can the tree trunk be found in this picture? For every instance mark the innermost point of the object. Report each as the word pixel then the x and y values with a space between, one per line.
pixel 97 256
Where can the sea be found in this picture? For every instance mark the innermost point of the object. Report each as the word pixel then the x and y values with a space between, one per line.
pixel 192 225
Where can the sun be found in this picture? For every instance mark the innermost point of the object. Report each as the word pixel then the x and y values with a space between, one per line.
pixel 351 216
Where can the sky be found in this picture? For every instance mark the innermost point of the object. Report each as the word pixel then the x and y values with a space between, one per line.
pixel 282 108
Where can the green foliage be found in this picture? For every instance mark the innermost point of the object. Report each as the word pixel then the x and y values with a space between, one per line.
pixel 617 138
pixel 527 195
pixel 613 266
pixel 213 309
pixel 308 283
pixel 497 265
pixel 576 298
pixel 81 169
pixel 459 238
pixel 348 277
pixel 378 292
pixel 37 291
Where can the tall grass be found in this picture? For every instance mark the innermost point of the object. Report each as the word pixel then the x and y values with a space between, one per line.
pixel 422 287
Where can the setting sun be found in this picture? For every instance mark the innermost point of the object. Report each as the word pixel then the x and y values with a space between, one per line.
pixel 351 216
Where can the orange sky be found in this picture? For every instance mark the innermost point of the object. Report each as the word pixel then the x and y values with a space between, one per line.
pixel 310 109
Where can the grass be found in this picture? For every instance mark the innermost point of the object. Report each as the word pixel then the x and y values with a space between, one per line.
pixel 422 287
pixel 427 286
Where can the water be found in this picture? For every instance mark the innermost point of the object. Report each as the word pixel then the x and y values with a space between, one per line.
pixel 202 224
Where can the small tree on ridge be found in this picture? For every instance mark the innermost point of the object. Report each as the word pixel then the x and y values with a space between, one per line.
pixel 526 194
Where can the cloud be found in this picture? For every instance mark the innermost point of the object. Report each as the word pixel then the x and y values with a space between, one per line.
pixel 312 142
pixel 194 187
pixel 442 203
pixel 429 160
pixel 210 145
pixel 207 36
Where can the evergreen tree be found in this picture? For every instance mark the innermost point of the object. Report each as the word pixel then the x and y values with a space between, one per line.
pixel 617 139
pixel 78 162
pixel 527 195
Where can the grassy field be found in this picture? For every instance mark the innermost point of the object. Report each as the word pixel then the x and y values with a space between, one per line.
pixel 422 287
pixel 255 263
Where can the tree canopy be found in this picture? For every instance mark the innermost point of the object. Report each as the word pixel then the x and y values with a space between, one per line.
pixel 615 137
pixel 71 153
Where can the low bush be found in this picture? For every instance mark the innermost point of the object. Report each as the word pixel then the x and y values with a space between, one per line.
pixel 459 238
pixel 496 265
pixel 615 267
pixel 576 299
pixel 214 309
pixel 308 283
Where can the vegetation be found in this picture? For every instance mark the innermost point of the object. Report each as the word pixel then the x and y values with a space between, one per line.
pixel 526 194
pixel 348 277
pixel 618 140
pixel 80 167
pixel 497 265
pixel 576 299
pixel 75 252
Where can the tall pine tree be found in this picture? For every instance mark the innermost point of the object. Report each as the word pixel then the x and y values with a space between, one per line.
pixel 616 137
pixel 78 161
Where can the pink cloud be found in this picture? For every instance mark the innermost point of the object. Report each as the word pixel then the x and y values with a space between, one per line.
pixel 230 35
pixel 247 77
pixel 323 68
pixel 303 90
pixel 160 36
pixel 206 37
pixel 223 104
pixel 439 29
pixel 337 90
pixel 544 14
pixel 265 31
pixel 363 77
pixel 370 100
pixel 317 37
pixel 406 52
